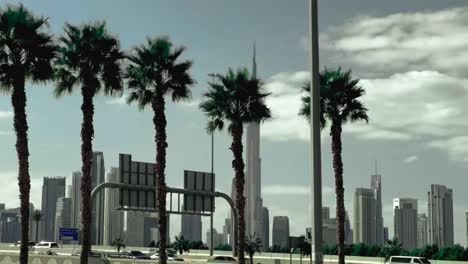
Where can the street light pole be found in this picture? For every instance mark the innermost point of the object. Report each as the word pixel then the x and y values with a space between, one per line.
pixel 316 202
pixel 212 171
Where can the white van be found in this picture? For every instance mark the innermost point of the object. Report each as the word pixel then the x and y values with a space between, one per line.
pixel 408 260
pixel 45 245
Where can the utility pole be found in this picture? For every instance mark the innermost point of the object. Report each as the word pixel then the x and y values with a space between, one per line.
pixel 316 202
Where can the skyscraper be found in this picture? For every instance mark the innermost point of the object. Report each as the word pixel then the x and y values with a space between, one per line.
pixel 281 231
pixel 192 227
pixel 217 238
pixel 227 231
pixel 97 213
pixel 329 227
pixel 253 178
pixel 75 196
pixel 10 230
pixel 52 189
pixel 422 230
pixel 385 234
pixel 266 229
pixel 405 215
pixel 440 203
pixel 466 223
pixel 347 229
pixel 364 215
pixel 113 219
pixel 62 215
pixel 134 223
pixel 376 186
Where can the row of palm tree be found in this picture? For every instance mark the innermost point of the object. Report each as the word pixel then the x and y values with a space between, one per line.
pixel 89 59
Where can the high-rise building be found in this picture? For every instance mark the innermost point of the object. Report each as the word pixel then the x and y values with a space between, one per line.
pixel 405 215
pixel 422 230
pixel 113 218
pixel 10 230
pixel 52 189
pixel 347 230
pixel 253 177
pixel 266 229
pixel 466 222
pixel 281 231
pixel 134 224
pixel 227 232
pixel 364 215
pixel 192 227
pixel 97 213
pixel 385 232
pixel 440 203
pixel 325 213
pixel 329 227
pixel 149 223
pixel 376 186
pixel 75 196
pixel 62 215
pixel 217 238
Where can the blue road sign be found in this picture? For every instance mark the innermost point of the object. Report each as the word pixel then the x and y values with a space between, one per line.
pixel 68 233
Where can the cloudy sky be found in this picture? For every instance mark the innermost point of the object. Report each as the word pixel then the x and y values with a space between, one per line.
pixel 410 56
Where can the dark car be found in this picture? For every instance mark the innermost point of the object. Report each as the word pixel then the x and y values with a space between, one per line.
pixel 134 254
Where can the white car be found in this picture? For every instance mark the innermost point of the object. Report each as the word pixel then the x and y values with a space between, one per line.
pixel 170 257
pixel 222 259
pixel 408 260
pixel 46 245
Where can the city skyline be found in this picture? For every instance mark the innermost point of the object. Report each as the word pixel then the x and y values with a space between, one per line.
pixel 416 146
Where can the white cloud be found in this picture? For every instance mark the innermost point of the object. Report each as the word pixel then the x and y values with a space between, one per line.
pixel 6 114
pixel 404 41
pixel 411 159
pixel 284 103
pixel 281 189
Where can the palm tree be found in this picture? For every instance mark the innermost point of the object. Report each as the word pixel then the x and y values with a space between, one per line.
pixel 118 243
pixel 89 58
pixel 339 104
pixel 37 216
pixel 26 54
pixel 181 244
pixel 237 99
pixel 154 72
pixel 252 245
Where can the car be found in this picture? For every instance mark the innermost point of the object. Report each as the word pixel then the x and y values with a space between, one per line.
pixel 48 252
pixel 170 257
pixel 17 244
pixel 408 260
pixel 134 254
pixel 44 244
pixel 222 259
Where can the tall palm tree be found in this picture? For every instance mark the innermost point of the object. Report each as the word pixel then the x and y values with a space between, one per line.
pixel 237 99
pixel 153 73
pixel 339 103
pixel 26 54
pixel 37 216
pixel 89 59
pixel 252 245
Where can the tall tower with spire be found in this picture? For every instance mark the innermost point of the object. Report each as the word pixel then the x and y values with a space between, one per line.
pixel 253 191
pixel 376 186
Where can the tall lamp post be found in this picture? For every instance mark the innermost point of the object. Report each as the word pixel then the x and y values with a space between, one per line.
pixel 212 171
pixel 316 202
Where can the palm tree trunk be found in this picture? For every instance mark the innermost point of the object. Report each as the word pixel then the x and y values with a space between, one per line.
pixel 160 122
pixel 238 166
pixel 339 189
pixel 87 133
pixel 20 123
